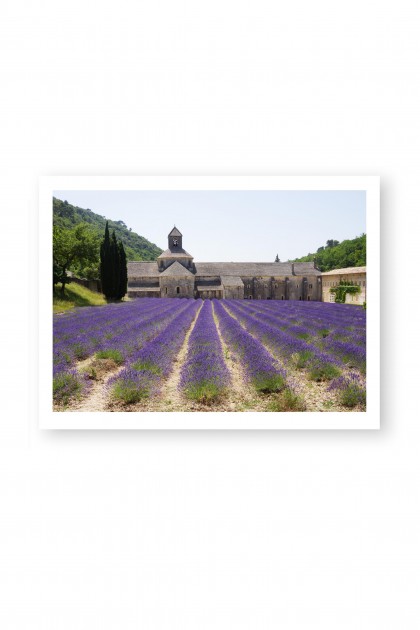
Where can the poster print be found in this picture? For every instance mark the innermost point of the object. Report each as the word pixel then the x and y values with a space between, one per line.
pixel 209 302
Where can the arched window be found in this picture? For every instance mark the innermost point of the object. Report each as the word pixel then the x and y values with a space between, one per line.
pixel 282 297
pixel 166 290
pixel 178 290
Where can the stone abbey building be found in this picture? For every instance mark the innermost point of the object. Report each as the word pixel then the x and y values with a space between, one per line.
pixel 175 274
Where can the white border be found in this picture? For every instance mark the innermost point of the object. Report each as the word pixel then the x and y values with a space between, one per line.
pixel 203 420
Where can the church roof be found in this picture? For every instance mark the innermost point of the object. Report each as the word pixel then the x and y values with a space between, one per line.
pixel 231 281
pixel 174 232
pixel 256 269
pixel 142 269
pixel 230 269
pixel 176 270
pixel 181 253
pixel 335 272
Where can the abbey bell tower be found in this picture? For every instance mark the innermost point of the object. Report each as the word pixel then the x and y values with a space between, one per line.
pixel 175 254
pixel 175 240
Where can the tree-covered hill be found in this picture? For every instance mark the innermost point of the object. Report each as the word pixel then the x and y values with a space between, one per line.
pixel 335 255
pixel 136 247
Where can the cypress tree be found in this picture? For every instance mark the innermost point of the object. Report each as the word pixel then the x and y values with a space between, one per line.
pixel 123 278
pixel 115 267
pixel 106 266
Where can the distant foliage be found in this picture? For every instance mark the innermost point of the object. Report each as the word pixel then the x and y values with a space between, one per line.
pixel 335 255
pixel 136 247
pixel 72 248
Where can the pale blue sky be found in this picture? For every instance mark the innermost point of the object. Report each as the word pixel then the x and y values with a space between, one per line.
pixel 234 225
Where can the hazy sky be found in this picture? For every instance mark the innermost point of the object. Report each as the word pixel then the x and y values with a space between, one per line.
pixel 234 225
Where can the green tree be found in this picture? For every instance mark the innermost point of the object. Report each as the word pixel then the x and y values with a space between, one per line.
pixel 76 246
pixel 113 267
pixel 106 264
pixel 123 277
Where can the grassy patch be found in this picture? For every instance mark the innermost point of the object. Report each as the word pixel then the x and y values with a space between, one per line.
pixel 324 332
pixel 75 295
pixel 287 401
pixel 115 355
pixel 128 392
pixel 323 372
pixel 66 386
pixel 352 396
pixel 300 359
pixel 269 384
pixel 80 351
pixel 147 367
pixel 303 335
pixel 205 392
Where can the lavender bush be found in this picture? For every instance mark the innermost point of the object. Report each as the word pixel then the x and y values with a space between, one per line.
pixel 204 375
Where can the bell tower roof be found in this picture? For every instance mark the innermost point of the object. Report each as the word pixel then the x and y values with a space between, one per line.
pixel 174 232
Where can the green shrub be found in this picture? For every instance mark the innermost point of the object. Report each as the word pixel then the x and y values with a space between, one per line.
pixel 300 359
pixel 147 367
pixel 323 372
pixel 128 392
pixel 204 392
pixel 66 385
pixel 287 401
pixel 268 384
pixel 115 355
pixel 352 396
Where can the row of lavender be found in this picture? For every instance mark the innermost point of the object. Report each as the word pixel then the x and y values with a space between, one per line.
pixel 114 331
pixel 324 340
pixel 204 375
pixel 148 368
pixel 147 335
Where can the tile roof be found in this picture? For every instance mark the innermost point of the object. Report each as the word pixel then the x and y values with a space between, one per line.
pixel 181 253
pixel 176 270
pixel 232 270
pixel 251 269
pixel 142 269
pixel 348 270
pixel 174 232
pixel 231 281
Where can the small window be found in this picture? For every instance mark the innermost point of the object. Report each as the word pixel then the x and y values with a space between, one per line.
pixel 282 297
pixel 178 290
pixel 166 290
pixel 250 297
pixel 364 283
pixel 300 297
pixel 309 298
pixel 310 286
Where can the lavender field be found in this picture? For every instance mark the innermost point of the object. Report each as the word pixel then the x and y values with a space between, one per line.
pixel 228 355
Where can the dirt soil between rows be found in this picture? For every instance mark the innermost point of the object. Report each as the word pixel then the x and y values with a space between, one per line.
pixel 239 396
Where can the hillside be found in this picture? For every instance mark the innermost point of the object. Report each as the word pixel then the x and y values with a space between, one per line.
pixel 335 255
pixel 136 247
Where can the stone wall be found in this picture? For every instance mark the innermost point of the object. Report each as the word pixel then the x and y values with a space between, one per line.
pixel 177 287
pixel 332 280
